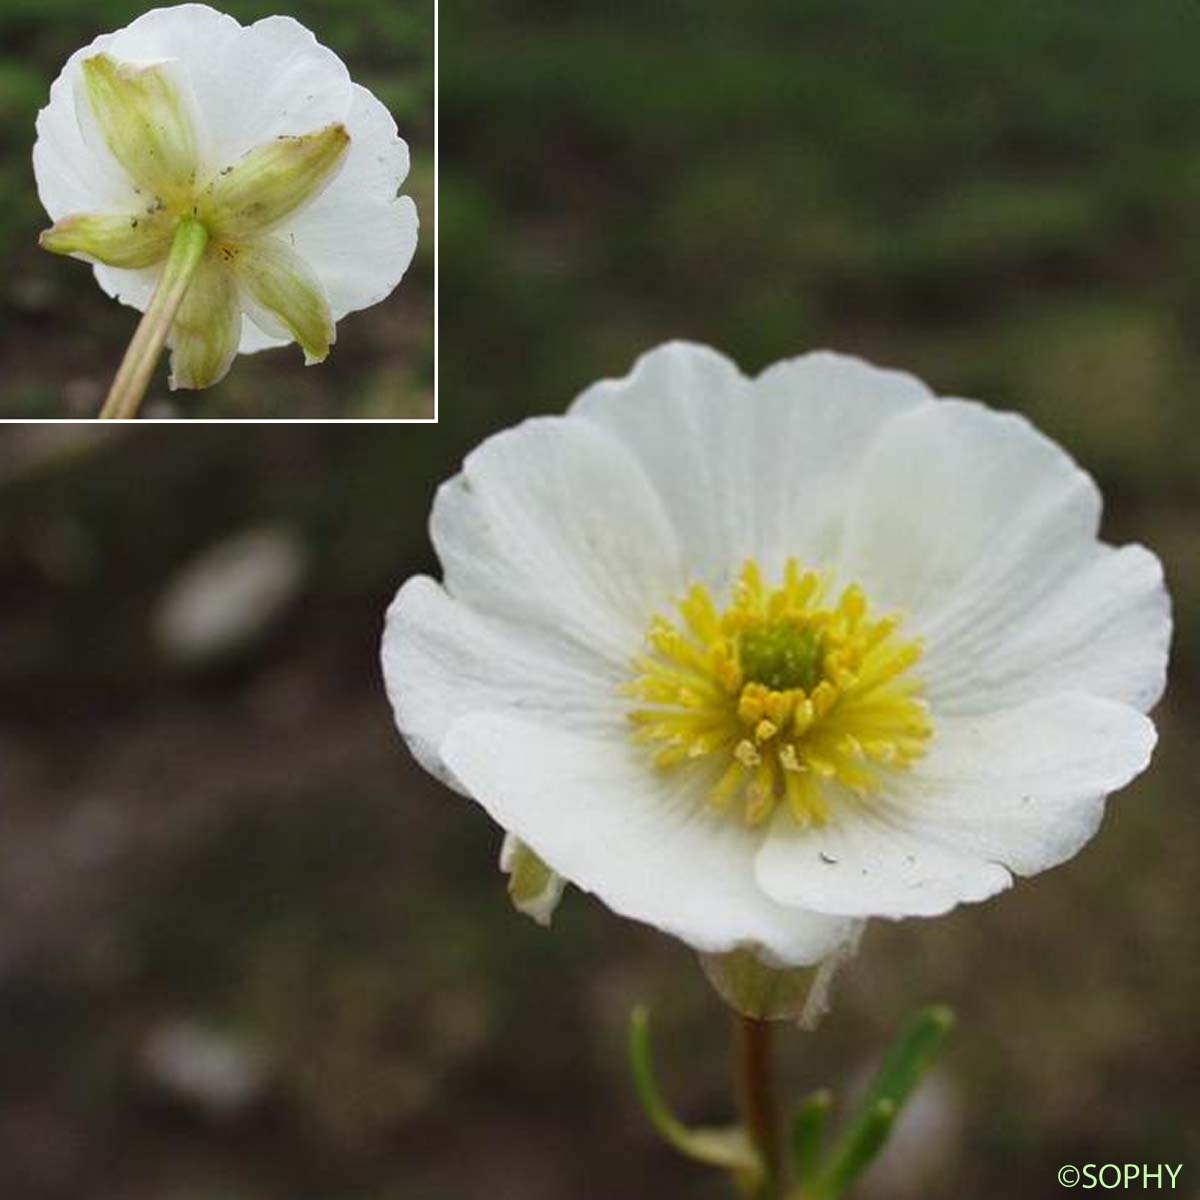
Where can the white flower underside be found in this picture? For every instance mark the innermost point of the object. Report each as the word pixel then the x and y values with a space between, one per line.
pixel 231 92
pixel 564 537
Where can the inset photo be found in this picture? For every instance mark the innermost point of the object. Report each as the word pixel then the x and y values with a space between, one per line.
pixel 244 196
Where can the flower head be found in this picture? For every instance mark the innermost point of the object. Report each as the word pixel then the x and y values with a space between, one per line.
pixel 253 140
pixel 754 660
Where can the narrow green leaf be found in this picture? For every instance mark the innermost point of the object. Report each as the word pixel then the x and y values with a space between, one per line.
pixel 907 1060
pixel 808 1135
pixel 858 1147
pixel 911 1055
pixel 729 1148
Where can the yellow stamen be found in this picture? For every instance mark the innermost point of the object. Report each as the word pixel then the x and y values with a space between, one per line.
pixel 797 695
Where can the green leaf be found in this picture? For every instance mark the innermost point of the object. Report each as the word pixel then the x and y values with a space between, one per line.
pixel 911 1055
pixel 728 1148
pixel 808 1134
pixel 908 1059
pixel 857 1149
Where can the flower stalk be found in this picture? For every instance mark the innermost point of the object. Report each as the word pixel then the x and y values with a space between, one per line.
pixel 142 355
pixel 757 1101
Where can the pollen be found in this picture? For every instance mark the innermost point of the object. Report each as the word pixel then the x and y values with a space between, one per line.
pixel 788 697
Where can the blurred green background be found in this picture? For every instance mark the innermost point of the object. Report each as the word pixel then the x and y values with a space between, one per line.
pixel 61 337
pixel 249 952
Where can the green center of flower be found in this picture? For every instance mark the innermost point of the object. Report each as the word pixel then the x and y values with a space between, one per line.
pixel 781 655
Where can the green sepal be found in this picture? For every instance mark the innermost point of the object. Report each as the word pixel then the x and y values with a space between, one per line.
pixel 207 328
pixel 146 123
pixel 282 295
pixel 272 181
pixel 756 989
pixel 534 888
pixel 117 240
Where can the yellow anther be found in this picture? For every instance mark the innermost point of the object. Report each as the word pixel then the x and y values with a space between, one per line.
pixel 777 706
pixel 746 754
pixel 788 757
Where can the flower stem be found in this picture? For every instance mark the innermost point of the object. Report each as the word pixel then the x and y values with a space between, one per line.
pixel 756 1097
pixel 133 377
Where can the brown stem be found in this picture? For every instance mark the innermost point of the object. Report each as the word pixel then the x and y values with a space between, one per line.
pixel 756 1096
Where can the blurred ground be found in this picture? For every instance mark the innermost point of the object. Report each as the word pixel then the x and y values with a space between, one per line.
pixel 249 952
pixel 61 338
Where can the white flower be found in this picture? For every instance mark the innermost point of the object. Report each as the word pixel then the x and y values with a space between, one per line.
pixel 255 136
pixel 755 660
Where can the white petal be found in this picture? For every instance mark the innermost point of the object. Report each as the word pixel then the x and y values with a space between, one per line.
pixel 814 419
pixel 129 287
pixel 750 468
pixel 1105 629
pixel 947 491
pixel 358 235
pixel 553 526
pixel 254 339
pixel 984 532
pixel 1014 791
pixel 442 660
pixel 638 839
